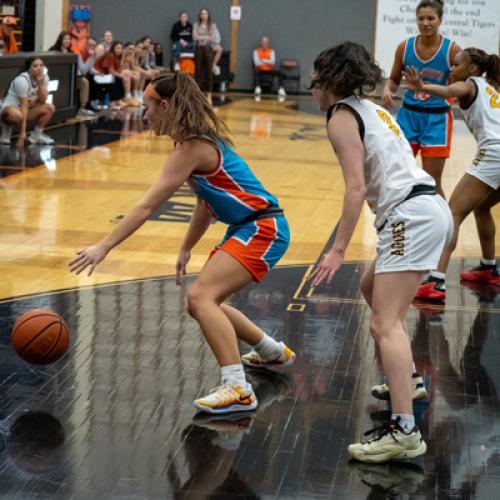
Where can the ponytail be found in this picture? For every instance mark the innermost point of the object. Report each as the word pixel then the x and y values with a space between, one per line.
pixel 493 70
pixel 189 113
pixel 488 64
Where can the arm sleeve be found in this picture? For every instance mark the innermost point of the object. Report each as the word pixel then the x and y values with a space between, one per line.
pixel 173 33
pixel 196 36
pixel 272 59
pixel 215 36
pixel 21 86
pixel 256 59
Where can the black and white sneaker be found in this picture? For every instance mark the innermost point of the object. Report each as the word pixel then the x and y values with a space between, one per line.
pixel 389 443
pixel 419 391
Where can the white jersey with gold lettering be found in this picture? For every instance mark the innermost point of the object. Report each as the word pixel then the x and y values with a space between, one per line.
pixel 483 115
pixel 390 167
pixel 483 120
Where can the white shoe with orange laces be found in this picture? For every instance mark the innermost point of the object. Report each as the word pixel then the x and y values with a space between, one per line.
pixel 226 399
pixel 286 357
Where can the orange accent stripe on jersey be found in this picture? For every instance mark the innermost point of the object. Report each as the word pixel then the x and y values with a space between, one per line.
pixel 440 151
pixel 250 256
pixel 225 182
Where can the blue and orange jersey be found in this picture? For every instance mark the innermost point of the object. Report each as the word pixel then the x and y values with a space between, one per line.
pixel 435 70
pixel 231 191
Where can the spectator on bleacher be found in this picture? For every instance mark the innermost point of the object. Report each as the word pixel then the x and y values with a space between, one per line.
pixel 111 64
pixel 86 59
pixel 181 35
pixel 158 50
pixel 130 63
pixel 63 42
pixel 105 45
pixel 264 60
pixel 7 37
pixel 26 101
pixel 142 55
pixel 147 60
pixel 208 50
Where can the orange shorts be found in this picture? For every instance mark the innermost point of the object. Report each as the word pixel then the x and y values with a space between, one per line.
pixel 257 245
pixel 426 132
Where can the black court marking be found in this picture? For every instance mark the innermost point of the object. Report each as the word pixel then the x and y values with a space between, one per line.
pixel 122 396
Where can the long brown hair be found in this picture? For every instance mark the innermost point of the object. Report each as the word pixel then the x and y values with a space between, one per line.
pixel 189 113
pixel 487 63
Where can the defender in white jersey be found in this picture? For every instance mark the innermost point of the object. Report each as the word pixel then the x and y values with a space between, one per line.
pixel 479 189
pixel 411 220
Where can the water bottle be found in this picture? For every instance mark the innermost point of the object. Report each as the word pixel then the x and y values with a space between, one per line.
pixel 106 100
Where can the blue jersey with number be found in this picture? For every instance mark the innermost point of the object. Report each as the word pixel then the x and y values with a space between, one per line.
pixel 231 191
pixel 435 70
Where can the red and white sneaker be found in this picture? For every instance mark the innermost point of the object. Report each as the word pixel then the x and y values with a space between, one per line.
pixel 227 398
pixel 285 358
pixel 482 274
pixel 431 289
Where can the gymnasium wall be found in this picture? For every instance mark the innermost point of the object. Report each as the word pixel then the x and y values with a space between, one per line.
pixel 297 29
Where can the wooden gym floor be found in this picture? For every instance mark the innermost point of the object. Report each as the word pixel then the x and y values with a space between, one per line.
pixel 113 418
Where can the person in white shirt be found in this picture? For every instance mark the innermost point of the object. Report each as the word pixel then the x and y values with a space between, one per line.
pixel 264 60
pixel 413 225
pixel 105 45
pixel 476 77
pixel 208 50
pixel 26 101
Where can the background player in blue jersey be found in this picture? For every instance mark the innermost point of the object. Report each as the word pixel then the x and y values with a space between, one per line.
pixel 227 190
pixel 425 120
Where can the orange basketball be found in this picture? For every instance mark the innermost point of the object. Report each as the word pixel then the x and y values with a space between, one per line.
pixel 40 336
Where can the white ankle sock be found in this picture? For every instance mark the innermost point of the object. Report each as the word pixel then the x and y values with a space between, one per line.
pixel 6 132
pixel 437 275
pixel 233 375
pixel 406 422
pixel 268 348
pixel 37 130
pixel 128 95
pixel 488 262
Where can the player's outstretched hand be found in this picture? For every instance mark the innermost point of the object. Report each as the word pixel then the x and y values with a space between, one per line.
pixel 388 99
pixel 329 265
pixel 87 257
pixel 413 79
pixel 180 266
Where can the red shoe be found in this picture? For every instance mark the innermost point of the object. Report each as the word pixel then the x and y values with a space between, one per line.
pixel 431 289
pixel 482 274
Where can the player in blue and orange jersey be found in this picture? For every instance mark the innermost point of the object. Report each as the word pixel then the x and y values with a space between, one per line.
pixel 227 190
pixel 425 120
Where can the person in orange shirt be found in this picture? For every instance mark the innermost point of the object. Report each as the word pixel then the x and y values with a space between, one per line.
pixel 7 37
pixel 264 60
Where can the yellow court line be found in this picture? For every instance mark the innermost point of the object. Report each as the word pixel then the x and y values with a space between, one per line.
pixel 303 282
pixel 346 300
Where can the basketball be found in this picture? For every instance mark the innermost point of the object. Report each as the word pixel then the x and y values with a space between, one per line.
pixel 40 336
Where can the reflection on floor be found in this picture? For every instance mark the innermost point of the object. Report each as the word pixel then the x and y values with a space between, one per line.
pixel 113 418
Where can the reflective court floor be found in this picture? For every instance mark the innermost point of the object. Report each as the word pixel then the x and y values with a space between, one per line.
pixel 113 418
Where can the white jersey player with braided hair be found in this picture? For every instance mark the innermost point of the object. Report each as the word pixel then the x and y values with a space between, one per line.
pixel 476 77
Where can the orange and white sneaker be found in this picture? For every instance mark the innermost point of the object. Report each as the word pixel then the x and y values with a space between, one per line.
pixel 286 357
pixel 226 399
